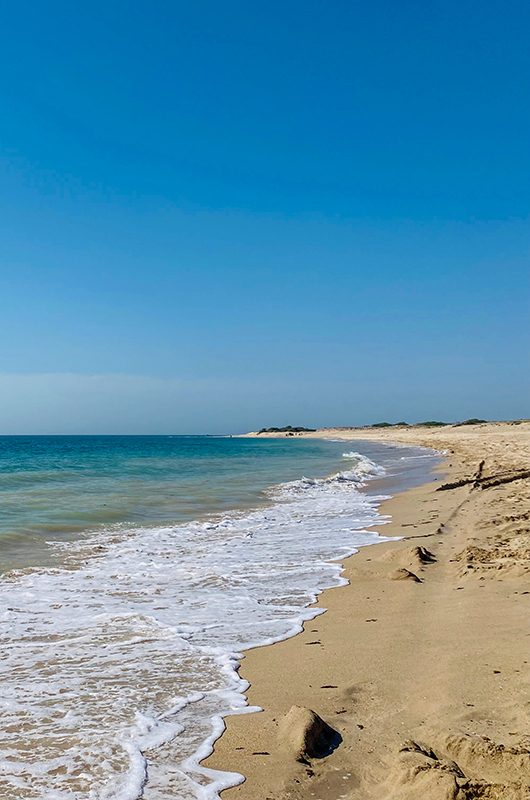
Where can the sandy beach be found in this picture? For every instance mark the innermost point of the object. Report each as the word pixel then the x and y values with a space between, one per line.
pixel 420 665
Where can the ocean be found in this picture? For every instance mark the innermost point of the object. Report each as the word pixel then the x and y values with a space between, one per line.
pixel 135 570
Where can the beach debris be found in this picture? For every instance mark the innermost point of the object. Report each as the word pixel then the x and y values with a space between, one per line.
pixel 423 555
pixel 410 746
pixel 404 575
pixel 478 481
pixel 306 735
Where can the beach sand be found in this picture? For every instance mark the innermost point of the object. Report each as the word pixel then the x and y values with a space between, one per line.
pixel 425 682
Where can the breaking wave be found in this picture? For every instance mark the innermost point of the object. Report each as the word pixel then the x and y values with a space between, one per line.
pixel 118 668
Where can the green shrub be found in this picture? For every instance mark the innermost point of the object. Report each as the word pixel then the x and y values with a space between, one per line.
pixel 288 429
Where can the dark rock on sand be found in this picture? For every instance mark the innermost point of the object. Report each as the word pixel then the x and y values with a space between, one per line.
pixel 305 735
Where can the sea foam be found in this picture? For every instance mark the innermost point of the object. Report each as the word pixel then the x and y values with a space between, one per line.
pixel 118 668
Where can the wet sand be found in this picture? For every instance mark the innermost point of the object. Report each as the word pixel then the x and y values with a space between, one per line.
pixel 421 664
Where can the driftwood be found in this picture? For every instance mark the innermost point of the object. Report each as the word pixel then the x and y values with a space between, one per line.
pixel 497 480
pixel 478 481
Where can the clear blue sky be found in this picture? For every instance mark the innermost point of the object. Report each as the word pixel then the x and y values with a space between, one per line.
pixel 221 215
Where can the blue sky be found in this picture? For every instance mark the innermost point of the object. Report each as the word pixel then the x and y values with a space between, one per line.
pixel 216 216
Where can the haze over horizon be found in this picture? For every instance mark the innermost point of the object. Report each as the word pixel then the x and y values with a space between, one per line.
pixel 217 218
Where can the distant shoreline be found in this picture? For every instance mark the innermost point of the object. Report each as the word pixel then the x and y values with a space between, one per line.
pixel 369 431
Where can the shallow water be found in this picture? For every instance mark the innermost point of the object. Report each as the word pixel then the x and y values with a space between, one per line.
pixel 58 487
pixel 118 661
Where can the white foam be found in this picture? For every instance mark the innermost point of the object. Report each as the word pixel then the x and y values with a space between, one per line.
pixel 117 670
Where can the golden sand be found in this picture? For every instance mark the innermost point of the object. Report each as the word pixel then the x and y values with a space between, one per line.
pixel 421 663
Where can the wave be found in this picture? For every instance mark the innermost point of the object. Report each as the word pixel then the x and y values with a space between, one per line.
pixel 119 667
pixel 364 466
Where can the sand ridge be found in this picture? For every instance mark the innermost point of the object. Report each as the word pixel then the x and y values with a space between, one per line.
pixel 424 680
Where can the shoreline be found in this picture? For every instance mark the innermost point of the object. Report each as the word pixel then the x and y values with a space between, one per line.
pixel 421 637
pixel 140 585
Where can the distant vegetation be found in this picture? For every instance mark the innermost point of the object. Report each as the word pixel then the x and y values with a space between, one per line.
pixel 430 423
pixel 390 425
pixel 288 429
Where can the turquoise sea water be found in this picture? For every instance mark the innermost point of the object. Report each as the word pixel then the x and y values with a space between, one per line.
pixel 137 570
pixel 54 487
